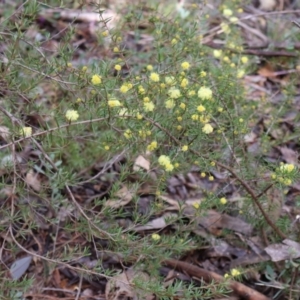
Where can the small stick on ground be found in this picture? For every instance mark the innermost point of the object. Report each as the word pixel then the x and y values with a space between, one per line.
pixel 238 288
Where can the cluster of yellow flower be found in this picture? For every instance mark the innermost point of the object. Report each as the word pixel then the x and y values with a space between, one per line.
pixel 72 115
pixel 164 161
pixel 26 131
pixel 126 87
pixel 283 173
pixel 152 146
pixel 233 273
pixel 96 79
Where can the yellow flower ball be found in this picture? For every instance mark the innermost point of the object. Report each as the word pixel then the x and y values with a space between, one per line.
pixel 170 104
pixel 235 272
pixel 205 93
pixel 244 59
pixel 226 59
pixel 207 129
pixel 169 167
pixel 170 80
pixel 217 53
pixel 128 134
pixel 240 73
pixel 163 159
pixel 26 131
pixel 154 77
pixel 201 108
pixel 227 12
pixel 72 115
pixel 125 87
pixel 204 119
pixel 287 181
pixel 149 106
pixel 114 103
pixel 141 90
pixel 184 83
pixel 287 168
pixel 96 79
pixel 233 20
pixel 223 201
pixel 185 65
pixel 196 205
pixel 174 93
pixel 184 148
pixel 195 117
pixel 225 27
pixel 155 237
pixel 118 67
pixel 149 67
pixel 152 146
pixel 139 116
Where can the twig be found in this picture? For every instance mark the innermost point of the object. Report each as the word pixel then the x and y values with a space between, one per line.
pixel 79 287
pixel 254 197
pixel 46 131
pixel 53 260
pixel 105 168
pixel 208 276
pixel 296 23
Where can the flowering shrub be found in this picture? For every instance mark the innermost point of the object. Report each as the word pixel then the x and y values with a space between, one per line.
pixel 181 105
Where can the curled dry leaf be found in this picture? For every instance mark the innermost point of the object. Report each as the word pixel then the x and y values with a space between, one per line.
pixel 157 223
pixel 141 162
pixel 4 133
pixel 267 4
pixel 286 250
pixel 174 203
pixel 122 286
pixel 19 267
pixel 125 196
pixel 33 180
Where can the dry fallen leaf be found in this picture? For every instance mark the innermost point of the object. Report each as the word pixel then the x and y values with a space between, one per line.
pixel 122 286
pixel 33 180
pixel 267 4
pixel 286 250
pixel 157 223
pixel 214 221
pixel 125 196
pixel 4 133
pixel 141 162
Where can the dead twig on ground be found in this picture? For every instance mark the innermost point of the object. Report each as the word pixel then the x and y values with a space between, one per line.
pixel 238 288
